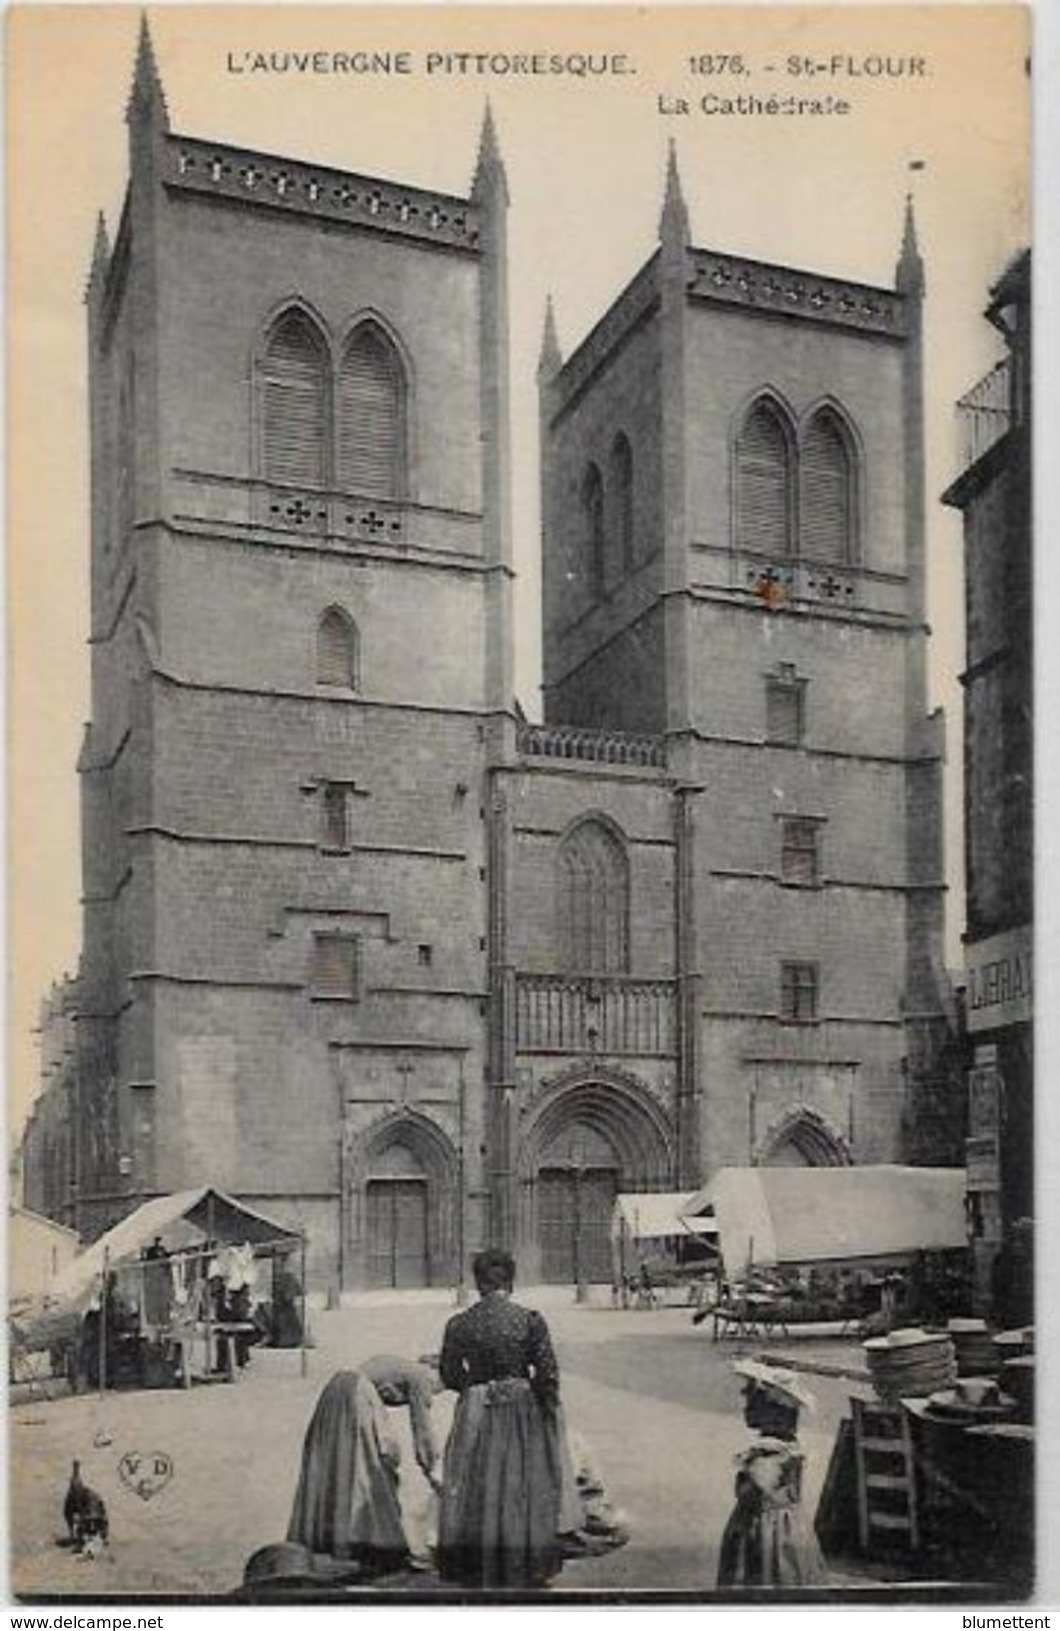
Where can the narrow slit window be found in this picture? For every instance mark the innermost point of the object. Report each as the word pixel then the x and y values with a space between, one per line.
pixel 798 992
pixel 799 852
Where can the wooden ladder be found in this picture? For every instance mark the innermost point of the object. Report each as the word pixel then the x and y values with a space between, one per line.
pixel 883 1455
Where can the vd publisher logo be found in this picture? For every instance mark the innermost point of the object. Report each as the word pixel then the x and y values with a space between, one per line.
pixel 145 1473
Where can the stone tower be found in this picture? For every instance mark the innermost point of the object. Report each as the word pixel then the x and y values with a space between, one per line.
pixel 299 419
pixel 733 516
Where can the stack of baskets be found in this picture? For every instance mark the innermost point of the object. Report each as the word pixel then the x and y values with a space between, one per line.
pixel 973 1348
pixel 911 1363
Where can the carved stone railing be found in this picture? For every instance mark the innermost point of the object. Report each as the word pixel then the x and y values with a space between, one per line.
pixel 589 746
pixel 606 1014
pixel 984 413
pixel 732 281
pixel 777 581
pixel 193 165
pixel 318 513
pixel 362 520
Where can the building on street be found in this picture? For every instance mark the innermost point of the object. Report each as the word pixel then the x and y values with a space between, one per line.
pixel 993 492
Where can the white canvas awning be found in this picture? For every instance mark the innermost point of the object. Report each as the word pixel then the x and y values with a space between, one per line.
pixel 772 1215
pixel 654 1216
pixel 185 1219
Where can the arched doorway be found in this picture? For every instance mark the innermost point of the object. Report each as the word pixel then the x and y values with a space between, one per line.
pixel 403 1216
pixel 587 1141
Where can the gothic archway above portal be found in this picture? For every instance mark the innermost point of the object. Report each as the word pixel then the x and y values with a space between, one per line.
pixel 611 1109
pixel 802 1136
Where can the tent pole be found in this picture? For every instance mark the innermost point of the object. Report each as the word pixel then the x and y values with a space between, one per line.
pixel 301 1254
pixel 104 1276
pixel 211 1251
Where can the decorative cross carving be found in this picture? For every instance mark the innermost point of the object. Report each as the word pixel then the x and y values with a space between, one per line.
pixel 404 1070
pixel 250 175
pixel 770 586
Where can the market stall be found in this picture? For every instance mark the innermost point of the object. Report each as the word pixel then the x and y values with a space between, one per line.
pixel 651 1233
pixel 179 1290
pixel 809 1244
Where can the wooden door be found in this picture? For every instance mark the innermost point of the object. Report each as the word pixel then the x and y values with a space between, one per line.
pixel 397 1233
pixel 574 1223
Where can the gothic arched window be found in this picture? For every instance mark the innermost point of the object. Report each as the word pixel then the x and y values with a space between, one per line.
pixel 764 482
pixel 594 900
pixel 622 501
pixel 371 415
pixel 338 655
pixel 826 490
pixel 294 386
pixel 593 523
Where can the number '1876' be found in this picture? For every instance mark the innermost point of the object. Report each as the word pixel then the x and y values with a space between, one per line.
pixel 718 63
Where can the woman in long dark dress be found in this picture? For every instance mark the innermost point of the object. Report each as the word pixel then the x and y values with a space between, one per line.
pixel 768 1540
pixel 500 1505
pixel 346 1505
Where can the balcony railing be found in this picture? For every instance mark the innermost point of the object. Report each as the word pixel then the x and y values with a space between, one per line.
pixel 984 413
pixel 594 747
pixel 610 1014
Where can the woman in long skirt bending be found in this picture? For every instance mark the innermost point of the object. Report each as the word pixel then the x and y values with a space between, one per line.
pixel 346 1505
pixel 502 1482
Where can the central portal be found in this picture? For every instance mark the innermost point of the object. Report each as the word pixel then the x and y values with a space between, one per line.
pixel 577 1182
pixel 591 1139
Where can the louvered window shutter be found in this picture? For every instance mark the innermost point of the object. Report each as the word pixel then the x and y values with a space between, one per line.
pixel 336 651
pixel 763 485
pixel 294 405
pixel 335 967
pixel 371 418
pixel 825 488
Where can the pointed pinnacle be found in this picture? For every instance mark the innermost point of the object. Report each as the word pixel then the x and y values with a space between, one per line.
pixel 551 359
pixel 909 274
pixel 673 222
pixel 100 257
pixel 101 246
pixel 147 98
pixel 489 168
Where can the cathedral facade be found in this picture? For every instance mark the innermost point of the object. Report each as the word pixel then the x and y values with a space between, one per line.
pixel 362 944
